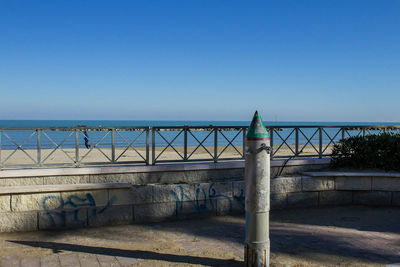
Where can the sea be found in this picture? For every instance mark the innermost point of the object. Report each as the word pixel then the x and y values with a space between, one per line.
pixel 28 138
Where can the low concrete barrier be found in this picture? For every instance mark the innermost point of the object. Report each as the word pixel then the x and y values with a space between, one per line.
pixel 65 197
pixel 142 175
pixel 37 207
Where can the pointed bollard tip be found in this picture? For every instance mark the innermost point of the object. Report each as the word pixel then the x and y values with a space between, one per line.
pixel 257 130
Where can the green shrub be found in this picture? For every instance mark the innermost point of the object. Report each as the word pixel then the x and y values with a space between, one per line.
pixel 372 151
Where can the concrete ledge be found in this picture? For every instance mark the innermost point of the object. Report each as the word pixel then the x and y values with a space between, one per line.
pixel 353 183
pixel 157 168
pixel 352 174
pixel 60 188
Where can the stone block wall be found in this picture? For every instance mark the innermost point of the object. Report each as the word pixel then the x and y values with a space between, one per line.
pixel 28 208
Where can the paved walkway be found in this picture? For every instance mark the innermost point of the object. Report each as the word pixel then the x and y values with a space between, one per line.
pixel 347 236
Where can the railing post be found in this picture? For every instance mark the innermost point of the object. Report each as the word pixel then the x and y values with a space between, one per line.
pixel 113 145
pixel 244 143
pixel 343 130
pixel 363 130
pixel 77 147
pixel 1 161
pixel 39 157
pixel 153 146
pixel 147 146
pixel 297 141
pixel 271 136
pixel 215 144
pixel 320 142
pixel 185 144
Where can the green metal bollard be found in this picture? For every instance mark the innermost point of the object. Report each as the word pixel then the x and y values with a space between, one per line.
pixel 257 182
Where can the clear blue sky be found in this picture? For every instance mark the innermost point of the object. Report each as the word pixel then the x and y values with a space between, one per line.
pixel 200 60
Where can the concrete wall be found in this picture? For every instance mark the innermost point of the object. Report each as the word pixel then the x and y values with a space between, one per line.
pixel 28 208
pixel 141 175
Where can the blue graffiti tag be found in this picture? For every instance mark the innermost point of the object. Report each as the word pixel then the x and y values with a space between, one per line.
pixel 203 199
pixel 74 205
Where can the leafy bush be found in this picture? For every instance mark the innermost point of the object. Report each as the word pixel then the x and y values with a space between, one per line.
pixel 372 151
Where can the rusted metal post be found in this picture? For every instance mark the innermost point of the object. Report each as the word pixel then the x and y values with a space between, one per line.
pixel 257 177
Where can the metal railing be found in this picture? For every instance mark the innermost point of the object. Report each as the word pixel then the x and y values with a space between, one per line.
pixel 81 146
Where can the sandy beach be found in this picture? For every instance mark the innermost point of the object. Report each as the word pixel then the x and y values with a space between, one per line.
pixel 104 155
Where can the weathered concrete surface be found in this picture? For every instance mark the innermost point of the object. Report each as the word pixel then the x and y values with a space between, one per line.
pixel 317 183
pixel 285 185
pixel 386 183
pixel 341 236
pixel 353 183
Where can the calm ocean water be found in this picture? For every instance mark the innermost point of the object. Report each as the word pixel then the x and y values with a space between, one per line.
pixel 11 139
pixel 67 123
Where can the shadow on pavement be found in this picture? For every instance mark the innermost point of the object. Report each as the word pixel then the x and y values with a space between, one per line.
pixel 380 219
pixel 137 254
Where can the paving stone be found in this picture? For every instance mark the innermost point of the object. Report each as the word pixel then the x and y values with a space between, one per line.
pixel 285 185
pixel 318 183
pixel 126 261
pixel 353 183
pixel 108 261
pixel 335 198
pixel 49 261
pixel 70 259
pixel 30 202
pixel 30 262
pixel 10 260
pixel 88 260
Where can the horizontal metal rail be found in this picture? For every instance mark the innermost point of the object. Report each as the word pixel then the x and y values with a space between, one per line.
pixel 37 147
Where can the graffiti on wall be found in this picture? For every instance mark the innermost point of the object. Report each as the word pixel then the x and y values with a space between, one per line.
pixel 71 209
pixel 204 199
